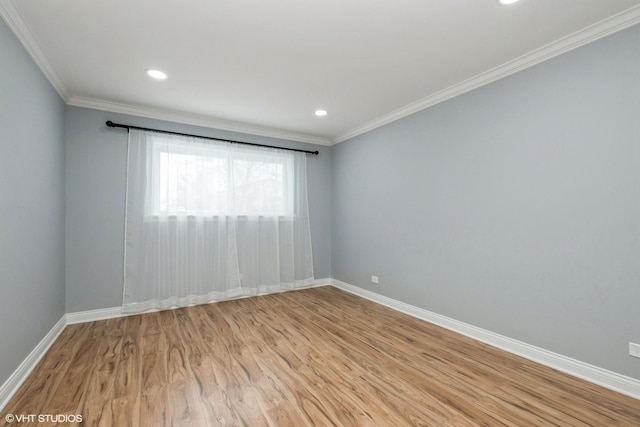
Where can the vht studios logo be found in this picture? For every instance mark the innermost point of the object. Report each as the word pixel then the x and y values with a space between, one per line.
pixel 43 418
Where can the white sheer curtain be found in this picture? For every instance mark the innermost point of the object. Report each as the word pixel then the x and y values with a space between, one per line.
pixel 208 221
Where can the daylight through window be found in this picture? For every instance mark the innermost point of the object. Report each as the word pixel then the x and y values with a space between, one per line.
pixel 198 180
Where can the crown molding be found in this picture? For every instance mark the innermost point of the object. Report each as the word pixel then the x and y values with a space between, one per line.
pixel 613 24
pixel 16 23
pixel 194 119
pixel 10 14
pixel 587 35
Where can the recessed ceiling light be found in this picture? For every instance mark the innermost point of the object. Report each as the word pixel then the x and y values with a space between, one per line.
pixel 321 113
pixel 157 74
pixel 505 2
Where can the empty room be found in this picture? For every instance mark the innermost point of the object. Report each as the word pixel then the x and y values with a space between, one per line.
pixel 320 213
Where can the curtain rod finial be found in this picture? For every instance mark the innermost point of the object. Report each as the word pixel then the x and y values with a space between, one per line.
pixel 110 123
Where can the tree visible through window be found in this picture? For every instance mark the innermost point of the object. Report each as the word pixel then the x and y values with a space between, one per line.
pixel 214 183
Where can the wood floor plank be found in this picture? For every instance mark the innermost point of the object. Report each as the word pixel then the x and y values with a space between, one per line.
pixel 154 395
pixel 100 388
pixel 317 357
pixel 70 391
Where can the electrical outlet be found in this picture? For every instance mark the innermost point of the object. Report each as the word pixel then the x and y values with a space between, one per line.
pixel 634 349
pixel 374 279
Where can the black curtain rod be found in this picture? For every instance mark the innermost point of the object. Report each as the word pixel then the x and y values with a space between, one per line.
pixel 127 127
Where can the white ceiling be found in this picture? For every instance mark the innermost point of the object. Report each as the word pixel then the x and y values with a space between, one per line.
pixel 264 67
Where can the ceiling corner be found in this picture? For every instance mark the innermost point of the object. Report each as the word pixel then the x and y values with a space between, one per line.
pixel 582 37
pixel 194 120
pixel 11 16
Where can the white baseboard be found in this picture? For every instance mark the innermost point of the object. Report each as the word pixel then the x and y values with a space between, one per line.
pixel 611 380
pixel 13 383
pixel 93 315
pixel 115 312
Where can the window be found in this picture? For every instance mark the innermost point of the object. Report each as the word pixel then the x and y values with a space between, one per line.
pixel 197 179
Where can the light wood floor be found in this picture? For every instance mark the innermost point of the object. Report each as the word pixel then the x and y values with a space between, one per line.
pixel 315 357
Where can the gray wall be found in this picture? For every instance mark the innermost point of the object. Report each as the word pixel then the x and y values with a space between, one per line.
pixel 515 207
pixel 96 163
pixel 31 204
